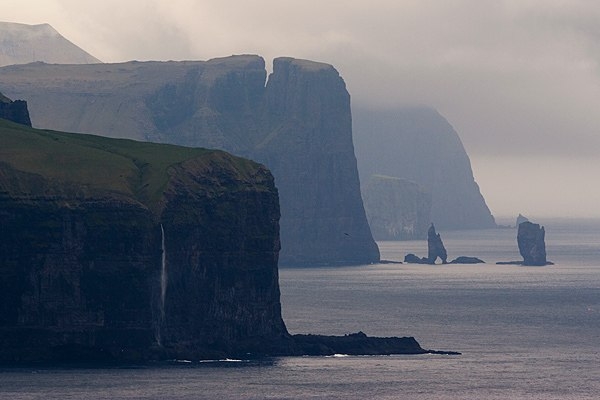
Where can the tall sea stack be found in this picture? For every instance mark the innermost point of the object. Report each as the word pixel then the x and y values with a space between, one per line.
pixel 532 245
pixel 298 124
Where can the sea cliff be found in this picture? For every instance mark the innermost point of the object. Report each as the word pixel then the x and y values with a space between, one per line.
pixel 119 251
pixel 86 222
pixel 297 122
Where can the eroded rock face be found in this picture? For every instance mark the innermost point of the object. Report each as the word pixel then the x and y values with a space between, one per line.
pixel 530 238
pixel 15 111
pixel 298 124
pixel 81 250
pixel 435 247
pixel 396 209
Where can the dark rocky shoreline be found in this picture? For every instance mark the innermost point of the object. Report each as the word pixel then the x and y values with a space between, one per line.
pixel 354 344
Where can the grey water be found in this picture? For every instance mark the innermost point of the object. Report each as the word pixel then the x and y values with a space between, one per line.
pixel 524 332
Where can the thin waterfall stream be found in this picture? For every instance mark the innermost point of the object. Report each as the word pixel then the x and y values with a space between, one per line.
pixel 163 274
pixel 163 286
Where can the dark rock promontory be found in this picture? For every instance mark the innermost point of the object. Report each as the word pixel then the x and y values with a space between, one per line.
pixel 15 111
pixel 532 246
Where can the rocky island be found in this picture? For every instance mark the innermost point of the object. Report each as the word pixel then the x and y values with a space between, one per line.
pixel 121 251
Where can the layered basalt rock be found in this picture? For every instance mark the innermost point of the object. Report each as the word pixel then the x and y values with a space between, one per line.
pixel 298 124
pixel 15 111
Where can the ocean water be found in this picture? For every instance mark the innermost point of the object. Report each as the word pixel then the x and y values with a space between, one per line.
pixel 524 332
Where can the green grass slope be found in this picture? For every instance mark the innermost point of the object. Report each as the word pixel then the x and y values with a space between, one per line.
pixel 95 164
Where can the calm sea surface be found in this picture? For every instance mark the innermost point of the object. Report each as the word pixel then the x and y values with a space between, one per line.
pixel 525 332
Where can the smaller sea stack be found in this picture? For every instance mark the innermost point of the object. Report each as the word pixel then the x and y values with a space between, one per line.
pixel 435 247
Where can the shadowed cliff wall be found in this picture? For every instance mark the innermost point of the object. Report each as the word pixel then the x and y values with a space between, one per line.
pixel 81 250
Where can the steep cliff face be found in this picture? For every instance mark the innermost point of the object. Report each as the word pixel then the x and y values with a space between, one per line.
pixel 397 209
pixel 418 144
pixel 15 111
pixel 22 44
pixel 298 125
pixel 309 149
pixel 82 272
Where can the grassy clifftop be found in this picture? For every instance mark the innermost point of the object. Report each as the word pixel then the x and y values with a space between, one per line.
pixel 93 165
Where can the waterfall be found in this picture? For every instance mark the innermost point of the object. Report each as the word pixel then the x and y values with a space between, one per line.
pixel 163 287
pixel 163 274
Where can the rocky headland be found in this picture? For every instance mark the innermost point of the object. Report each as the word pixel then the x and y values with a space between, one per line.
pixel 121 251
pixel 298 124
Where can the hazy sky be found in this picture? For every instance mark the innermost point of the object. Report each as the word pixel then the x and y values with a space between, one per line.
pixel 518 79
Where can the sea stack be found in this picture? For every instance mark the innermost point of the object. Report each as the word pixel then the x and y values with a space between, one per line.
pixel 532 247
pixel 435 247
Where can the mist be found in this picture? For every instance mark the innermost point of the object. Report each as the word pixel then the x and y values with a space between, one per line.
pixel 518 80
